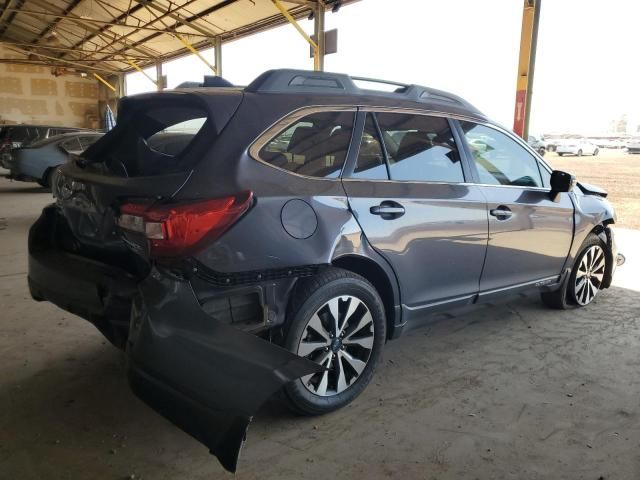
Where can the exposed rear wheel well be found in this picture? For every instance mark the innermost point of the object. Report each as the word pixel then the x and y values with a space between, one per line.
pixel 378 278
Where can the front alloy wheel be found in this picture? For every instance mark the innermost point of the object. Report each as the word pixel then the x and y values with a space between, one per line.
pixel 589 275
pixel 339 336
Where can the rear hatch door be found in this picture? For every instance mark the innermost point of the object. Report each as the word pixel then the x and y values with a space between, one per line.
pixel 148 157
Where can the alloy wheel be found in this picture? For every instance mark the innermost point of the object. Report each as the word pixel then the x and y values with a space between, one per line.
pixel 339 336
pixel 589 275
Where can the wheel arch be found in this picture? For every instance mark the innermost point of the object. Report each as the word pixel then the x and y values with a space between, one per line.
pixel 379 278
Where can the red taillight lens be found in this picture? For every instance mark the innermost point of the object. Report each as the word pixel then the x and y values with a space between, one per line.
pixel 182 229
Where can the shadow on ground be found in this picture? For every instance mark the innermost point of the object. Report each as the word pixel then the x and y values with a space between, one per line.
pixel 511 391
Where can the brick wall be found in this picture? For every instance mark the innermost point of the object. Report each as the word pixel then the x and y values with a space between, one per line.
pixel 31 94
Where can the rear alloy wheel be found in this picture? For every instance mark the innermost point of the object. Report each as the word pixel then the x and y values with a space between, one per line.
pixel 580 152
pixel 339 336
pixel 589 275
pixel 337 320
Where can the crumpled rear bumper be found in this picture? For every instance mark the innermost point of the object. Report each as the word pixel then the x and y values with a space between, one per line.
pixel 207 377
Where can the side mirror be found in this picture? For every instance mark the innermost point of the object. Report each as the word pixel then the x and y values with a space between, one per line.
pixel 561 182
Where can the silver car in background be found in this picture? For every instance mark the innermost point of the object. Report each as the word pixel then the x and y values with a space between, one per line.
pixel 577 146
pixel 37 161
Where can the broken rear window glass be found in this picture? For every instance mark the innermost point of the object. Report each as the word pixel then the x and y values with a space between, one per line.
pixel 154 141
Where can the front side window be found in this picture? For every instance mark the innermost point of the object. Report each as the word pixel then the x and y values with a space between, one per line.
pixel 420 148
pixel 370 163
pixel 499 159
pixel 315 145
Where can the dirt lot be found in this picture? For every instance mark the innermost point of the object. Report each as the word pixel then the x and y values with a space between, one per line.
pixel 615 171
pixel 512 391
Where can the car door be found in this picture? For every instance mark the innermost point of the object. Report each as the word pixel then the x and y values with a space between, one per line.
pixel 530 231
pixel 406 185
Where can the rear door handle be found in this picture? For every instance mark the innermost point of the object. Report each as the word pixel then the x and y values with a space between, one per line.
pixel 501 213
pixel 388 210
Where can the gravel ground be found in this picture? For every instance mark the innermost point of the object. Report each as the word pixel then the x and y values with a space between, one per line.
pixel 512 391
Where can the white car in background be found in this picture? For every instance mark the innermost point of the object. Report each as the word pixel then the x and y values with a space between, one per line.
pixel 633 145
pixel 577 146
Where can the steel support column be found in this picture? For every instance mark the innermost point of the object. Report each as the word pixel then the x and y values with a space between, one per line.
pixel 318 30
pixel 159 84
pixel 217 45
pixel 526 66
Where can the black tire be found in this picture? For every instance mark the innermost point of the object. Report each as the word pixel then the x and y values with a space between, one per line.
pixel 580 152
pixel 309 297
pixel 542 151
pixel 560 154
pixel 596 152
pixel 565 297
pixel 45 181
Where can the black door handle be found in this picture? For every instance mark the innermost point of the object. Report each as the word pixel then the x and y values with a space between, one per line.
pixel 501 213
pixel 388 210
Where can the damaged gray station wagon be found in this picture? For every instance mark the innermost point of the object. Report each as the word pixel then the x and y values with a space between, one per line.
pixel 239 242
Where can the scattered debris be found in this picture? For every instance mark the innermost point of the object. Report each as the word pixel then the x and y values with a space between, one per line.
pixel 569 395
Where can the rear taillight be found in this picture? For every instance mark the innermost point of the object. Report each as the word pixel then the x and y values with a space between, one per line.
pixel 183 229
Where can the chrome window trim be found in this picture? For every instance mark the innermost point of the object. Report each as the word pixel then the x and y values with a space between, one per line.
pixel 287 120
pixel 290 118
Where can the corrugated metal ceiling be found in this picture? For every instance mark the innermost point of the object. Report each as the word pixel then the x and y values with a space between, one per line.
pixel 103 35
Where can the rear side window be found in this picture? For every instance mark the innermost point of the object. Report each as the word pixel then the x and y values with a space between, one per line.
pixel 370 163
pixel 316 145
pixel 420 148
pixel 500 160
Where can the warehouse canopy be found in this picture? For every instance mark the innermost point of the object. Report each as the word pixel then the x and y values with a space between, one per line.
pixel 114 36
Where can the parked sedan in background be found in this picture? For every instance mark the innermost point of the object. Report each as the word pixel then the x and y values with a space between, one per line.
pixel 577 146
pixel 36 162
pixel 16 136
pixel 538 144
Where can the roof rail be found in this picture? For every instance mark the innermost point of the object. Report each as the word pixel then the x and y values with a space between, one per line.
pixel 304 81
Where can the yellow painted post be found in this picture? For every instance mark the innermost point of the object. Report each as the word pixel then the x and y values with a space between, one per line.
pixel 526 65
pixel 292 21
pixel 135 65
pixel 100 79
pixel 196 53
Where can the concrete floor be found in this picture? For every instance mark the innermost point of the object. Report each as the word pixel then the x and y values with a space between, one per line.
pixel 512 391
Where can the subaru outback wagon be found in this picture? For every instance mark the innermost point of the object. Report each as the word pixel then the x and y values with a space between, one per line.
pixel 238 242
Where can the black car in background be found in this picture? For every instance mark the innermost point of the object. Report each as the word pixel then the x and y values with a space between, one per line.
pixel 281 233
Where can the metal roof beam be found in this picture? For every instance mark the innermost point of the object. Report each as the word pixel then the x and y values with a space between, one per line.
pixel 6 22
pixel 63 18
pixel 178 18
pixel 52 25
pixel 205 12
pixel 56 59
